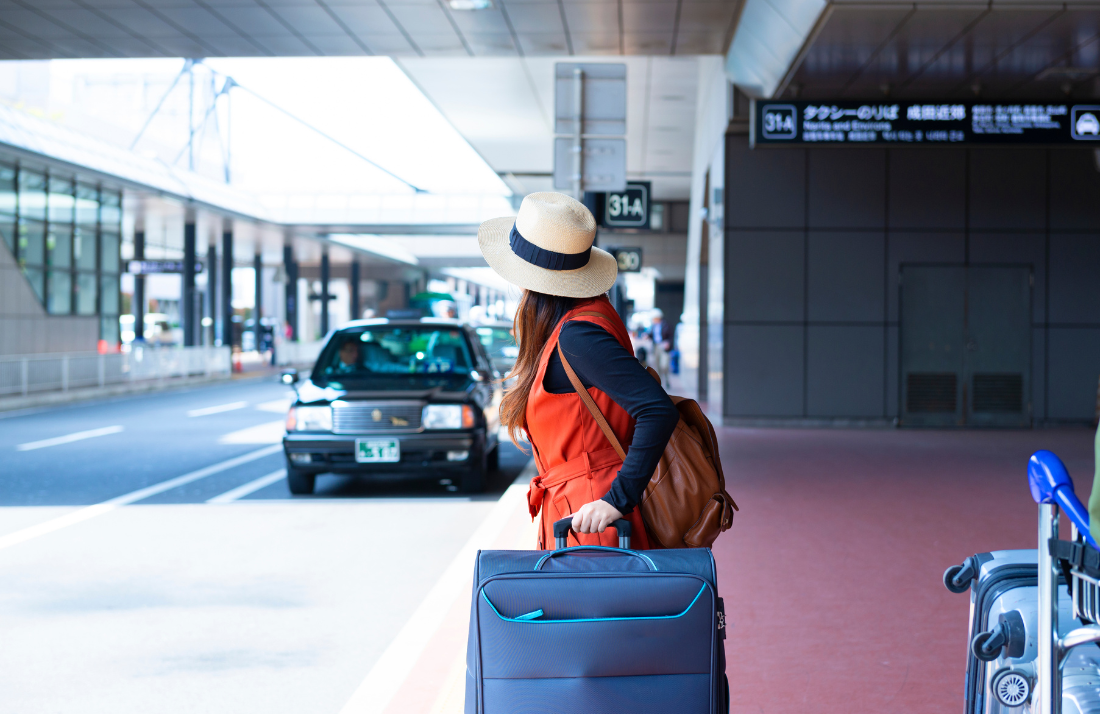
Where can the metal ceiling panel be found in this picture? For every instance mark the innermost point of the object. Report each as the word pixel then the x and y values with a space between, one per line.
pixel 1070 40
pixel 423 19
pixel 138 47
pixel 694 43
pixel 90 23
pixel 491 44
pixel 282 43
pixel 253 20
pixel 367 18
pixel 917 43
pixel 593 17
pixel 649 17
pixel 846 43
pixel 309 20
pixel 335 45
pixel 544 43
pixel 441 43
pixel 480 21
pixel 648 43
pixel 235 46
pixel 195 19
pixel 537 17
pixel 145 22
pixel 36 25
pixel 711 18
pixel 595 43
pixel 390 44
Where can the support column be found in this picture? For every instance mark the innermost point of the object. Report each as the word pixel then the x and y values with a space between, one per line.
pixel 324 293
pixel 355 290
pixel 212 291
pixel 227 288
pixel 138 306
pixel 257 310
pixel 187 280
pixel 291 267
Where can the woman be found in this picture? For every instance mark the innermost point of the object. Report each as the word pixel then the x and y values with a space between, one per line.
pixel 547 250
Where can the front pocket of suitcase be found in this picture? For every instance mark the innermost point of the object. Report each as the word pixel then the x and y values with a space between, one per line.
pixel 618 626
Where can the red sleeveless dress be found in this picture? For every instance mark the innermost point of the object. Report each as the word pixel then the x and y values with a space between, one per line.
pixel 576 462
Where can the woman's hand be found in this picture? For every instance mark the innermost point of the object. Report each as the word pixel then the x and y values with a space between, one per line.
pixel 595 517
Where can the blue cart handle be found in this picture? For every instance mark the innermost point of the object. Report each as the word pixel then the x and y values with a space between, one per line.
pixel 1051 483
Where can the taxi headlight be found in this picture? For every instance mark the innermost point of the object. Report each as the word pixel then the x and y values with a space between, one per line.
pixel 311 418
pixel 447 416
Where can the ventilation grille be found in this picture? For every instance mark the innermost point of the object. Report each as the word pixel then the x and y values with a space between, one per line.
pixel 931 393
pixel 999 393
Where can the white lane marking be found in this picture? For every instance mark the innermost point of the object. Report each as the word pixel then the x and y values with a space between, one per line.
pixel 269 433
pixel 382 683
pixel 217 410
pixel 83 514
pixel 69 438
pixel 276 406
pixel 250 487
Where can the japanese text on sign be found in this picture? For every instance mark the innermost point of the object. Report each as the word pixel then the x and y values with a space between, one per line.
pixel 812 122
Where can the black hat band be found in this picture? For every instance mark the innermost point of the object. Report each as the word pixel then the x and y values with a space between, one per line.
pixel 544 258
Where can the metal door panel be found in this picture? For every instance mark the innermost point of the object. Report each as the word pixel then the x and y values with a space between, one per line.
pixel 998 350
pixel 933 335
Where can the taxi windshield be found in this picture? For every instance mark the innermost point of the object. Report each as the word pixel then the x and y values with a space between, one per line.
pixel 392 357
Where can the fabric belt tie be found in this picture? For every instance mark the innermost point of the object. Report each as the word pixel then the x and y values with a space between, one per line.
pixel 544 258
pixel 582 465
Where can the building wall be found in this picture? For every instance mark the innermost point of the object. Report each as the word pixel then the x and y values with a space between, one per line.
pixel 25 328
pixel 813 243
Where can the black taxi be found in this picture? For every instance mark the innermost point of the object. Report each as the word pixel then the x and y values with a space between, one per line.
pixel 414 398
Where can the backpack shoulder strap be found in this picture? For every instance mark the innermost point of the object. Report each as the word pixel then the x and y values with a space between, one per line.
pixel 592 408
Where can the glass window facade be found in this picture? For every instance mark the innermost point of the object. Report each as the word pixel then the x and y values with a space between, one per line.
pixel 65 236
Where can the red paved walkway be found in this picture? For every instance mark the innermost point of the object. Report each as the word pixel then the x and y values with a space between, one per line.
pixel 831 573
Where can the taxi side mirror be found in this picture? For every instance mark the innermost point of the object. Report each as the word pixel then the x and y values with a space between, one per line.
pixel 289 376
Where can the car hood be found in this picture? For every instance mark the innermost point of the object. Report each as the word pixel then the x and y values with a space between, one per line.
pixel 309 393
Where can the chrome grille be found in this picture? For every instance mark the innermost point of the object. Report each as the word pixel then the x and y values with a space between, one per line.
pixel 372 417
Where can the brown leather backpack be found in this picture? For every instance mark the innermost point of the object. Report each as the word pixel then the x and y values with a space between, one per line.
pixel 685 504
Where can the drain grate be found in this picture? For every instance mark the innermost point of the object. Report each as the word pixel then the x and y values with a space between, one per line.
pixel 931 393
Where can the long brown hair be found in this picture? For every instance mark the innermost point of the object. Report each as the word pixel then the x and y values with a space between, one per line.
pixel 537 316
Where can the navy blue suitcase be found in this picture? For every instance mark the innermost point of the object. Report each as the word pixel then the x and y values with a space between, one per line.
pixel 596 630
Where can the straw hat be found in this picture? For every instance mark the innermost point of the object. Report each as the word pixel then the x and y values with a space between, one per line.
pixel 548 248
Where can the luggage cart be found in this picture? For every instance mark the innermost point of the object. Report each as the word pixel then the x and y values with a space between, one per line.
pixel 1052 489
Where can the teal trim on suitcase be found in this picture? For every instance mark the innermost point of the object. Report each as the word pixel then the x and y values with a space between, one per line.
pixel 522 618
pixel 551 554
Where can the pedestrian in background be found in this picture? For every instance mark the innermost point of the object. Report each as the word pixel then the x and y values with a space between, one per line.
pixel 661 334
pixel 569 334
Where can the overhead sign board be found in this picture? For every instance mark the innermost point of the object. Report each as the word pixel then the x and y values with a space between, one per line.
pixel 629 259
pixel 603 105
pixel 150 267
pixel 805 123
pixel 604 164
pixel 628 208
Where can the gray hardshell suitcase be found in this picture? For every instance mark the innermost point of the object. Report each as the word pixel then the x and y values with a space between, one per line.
pixel 1003 634
pixel 596 630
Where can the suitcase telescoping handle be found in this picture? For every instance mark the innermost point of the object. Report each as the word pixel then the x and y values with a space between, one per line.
pixel 562 527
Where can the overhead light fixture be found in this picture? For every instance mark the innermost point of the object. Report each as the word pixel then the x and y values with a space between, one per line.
pixel 470 4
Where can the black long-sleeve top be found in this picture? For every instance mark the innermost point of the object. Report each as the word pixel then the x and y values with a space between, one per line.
pixel 601 362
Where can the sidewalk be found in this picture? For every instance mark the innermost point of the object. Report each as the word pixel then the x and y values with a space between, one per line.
pixel 831 573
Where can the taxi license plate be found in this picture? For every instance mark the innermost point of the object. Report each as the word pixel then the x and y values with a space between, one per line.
pixel 373 451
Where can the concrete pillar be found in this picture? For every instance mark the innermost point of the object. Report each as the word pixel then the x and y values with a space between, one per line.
pixel 324 293
pixel 291 267
pixel 187 290
pixel 212 291
pixel 138 306
pixel 355 313
pixel 227 289
pixel 257 310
